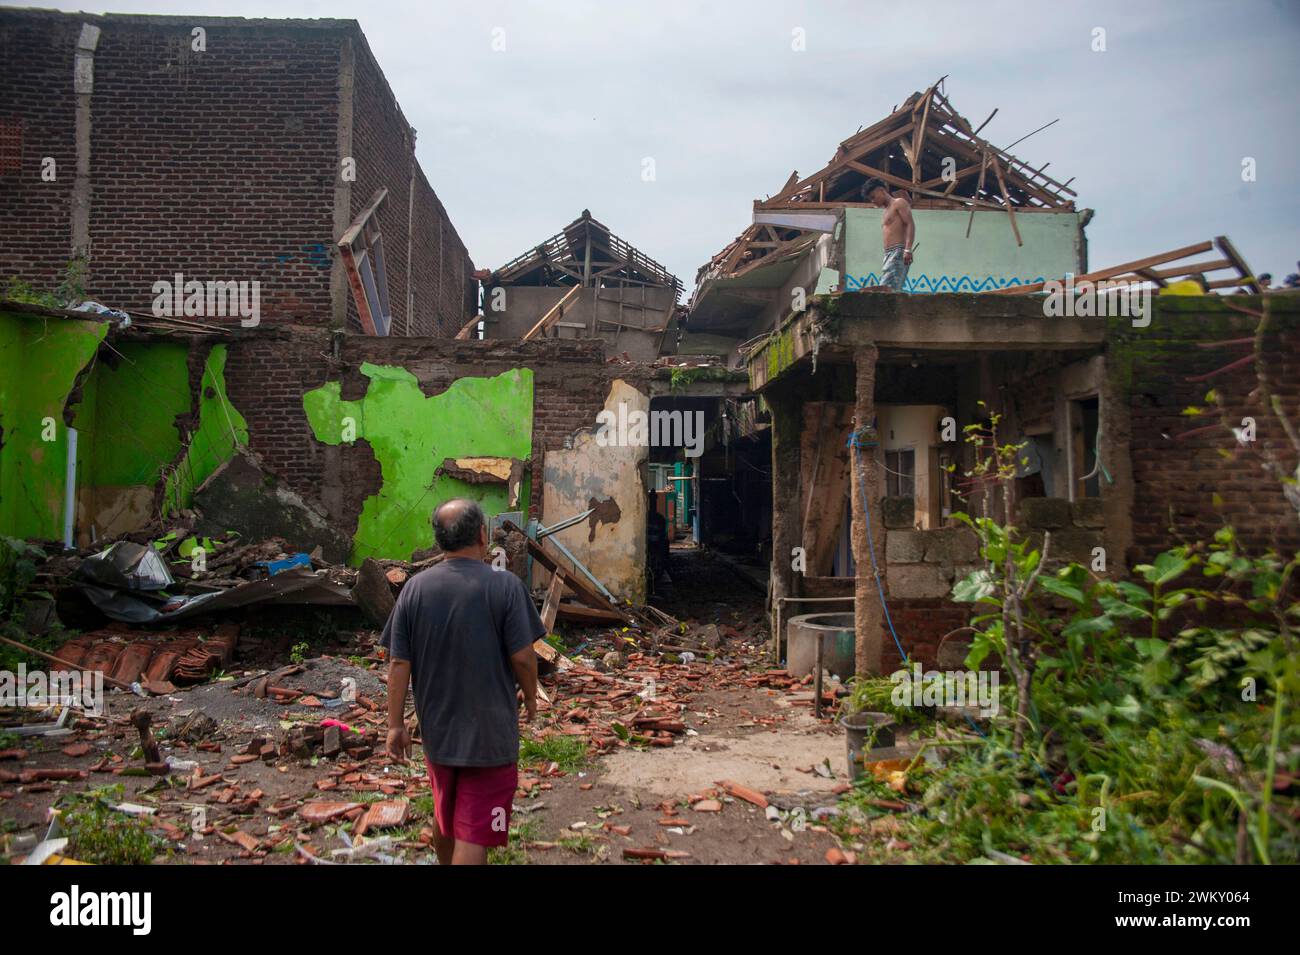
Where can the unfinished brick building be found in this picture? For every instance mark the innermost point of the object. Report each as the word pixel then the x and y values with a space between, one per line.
pixel 223 149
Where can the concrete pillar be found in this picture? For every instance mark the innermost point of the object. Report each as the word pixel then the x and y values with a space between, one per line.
pixel 340 290
pixel 787 421
pixel 869 614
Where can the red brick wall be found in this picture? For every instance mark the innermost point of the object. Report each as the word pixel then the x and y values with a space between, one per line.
pixel 922 623
pixel 1177 479
pixel 446 293
pixel 383 142
pixel 268 374
pixel 218 164
pixel 35 216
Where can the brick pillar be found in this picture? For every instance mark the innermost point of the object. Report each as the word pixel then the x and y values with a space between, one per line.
pixel 868 614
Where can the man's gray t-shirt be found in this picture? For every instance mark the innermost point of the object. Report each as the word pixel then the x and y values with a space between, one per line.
pixel 458 624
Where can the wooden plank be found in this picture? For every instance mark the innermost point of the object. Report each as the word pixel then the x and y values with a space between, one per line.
pixel 904 184
pixel 1114 270
pixel 354 231
pixel 918 138
pixel 1230 253
pixel 463 334
pixel 979 187
pixel 552 602
pixel 553 314
pixel 583 590
pixel 587 616
pixel 1002 184
pixel 552 655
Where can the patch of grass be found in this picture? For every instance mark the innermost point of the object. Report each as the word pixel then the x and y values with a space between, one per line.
pixel 581 843
pixel 516 851
pixel 100 835
pixel 568 752
pixel 422 807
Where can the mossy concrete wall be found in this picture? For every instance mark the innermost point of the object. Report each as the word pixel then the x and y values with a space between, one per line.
pixel 411 434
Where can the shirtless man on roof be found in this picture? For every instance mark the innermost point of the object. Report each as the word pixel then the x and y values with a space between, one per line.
pixel 898 231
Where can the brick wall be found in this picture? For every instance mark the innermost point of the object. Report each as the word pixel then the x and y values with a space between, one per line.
pixel 35 216
pixel 446 293
pixel 219 164
pixel 1186 484
pixel 268 374
pixel 922 623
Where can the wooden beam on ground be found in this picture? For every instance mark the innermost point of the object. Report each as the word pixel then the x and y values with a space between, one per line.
pixel 583 590
pixel 586 616
pixel 552 602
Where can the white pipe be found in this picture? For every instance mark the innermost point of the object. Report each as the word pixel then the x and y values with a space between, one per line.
pixel 70 489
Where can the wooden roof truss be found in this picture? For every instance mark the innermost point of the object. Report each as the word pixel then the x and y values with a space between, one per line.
pixel 924 148
pixel 585 253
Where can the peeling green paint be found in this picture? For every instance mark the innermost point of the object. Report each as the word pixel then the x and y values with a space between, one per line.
pixel 221 430
pixel 411 434
pixel 127 433
pixel 40 361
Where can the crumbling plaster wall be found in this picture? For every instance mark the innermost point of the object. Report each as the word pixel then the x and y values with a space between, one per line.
pixel 411 435
pixel 611 480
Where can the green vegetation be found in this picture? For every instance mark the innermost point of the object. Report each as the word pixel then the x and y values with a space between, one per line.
pixel 569 753
pixel 70 291
pixel 100 835
pixel 515 852
pixel 1146 720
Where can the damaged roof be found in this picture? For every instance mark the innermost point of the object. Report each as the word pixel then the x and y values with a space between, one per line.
pixel 585 252
pixel 924 147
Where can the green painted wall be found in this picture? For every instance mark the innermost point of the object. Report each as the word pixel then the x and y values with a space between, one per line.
pixel 135 436
pixel 39 364
pixel 411 434
pixel 221 430
pixel 947 261
pixel 126 419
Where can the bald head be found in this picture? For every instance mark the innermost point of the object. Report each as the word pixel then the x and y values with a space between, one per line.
pixel 458 525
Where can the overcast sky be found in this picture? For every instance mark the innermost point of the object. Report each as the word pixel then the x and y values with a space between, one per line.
pixel 518 141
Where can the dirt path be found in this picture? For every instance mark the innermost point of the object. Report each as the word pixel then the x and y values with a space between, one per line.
pixel 241 796
pixel 739 729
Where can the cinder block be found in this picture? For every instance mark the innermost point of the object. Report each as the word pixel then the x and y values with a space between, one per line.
pixel 1045 513
pixel 918 580
pixel 905 547
pixel 1087 512
pixel 899 512
pixel 951 545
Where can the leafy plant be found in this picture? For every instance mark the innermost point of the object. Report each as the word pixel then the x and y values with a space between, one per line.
pixel 100 835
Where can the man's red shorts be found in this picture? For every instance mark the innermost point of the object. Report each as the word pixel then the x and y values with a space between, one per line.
pixel 472 803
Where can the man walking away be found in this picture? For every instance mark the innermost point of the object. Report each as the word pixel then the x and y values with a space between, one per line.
pixel 465 633
pixel 897 230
